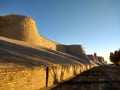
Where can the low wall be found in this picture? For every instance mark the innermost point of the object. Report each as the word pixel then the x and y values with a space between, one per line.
pixel 22 78
pixel 37 77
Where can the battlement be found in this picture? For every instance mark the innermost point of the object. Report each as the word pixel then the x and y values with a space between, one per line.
pixel 18 16
pixel 12 18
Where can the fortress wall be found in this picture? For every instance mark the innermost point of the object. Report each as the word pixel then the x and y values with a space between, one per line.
pixel 95 56
pixel 47 43
pixel 62 48
pixel 78 51
pixel 52 45
pixel 57 74
pixel 91 57
pixel 22 78
pixel 36 78
pixel 24 28
pixel 100 59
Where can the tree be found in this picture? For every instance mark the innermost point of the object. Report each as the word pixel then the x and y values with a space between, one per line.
pixel 115 57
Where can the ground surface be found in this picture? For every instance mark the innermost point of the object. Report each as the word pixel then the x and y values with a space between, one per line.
pixel 98 78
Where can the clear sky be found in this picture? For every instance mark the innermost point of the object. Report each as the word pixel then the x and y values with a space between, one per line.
pixel 93 23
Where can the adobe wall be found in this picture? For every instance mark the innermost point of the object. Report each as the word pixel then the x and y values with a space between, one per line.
pixel 35 78
pixel 91 57
pixel 51 45
pixel 100 59
pixel 77 50
pixel 24 29
pixel 96 58
pixel 59 74
pixel 22 78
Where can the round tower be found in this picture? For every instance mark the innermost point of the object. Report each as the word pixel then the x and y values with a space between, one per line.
pixel 19 27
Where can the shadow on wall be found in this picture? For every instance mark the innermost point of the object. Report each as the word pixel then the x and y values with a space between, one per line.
pixel 57 74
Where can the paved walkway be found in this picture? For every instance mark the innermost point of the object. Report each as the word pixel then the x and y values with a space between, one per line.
pixel 98 78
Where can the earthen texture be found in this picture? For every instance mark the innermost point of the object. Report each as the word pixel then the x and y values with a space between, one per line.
pixel 96 58
pixel 77 50
pixel 36 78
pixel 91 57
pixel 22 78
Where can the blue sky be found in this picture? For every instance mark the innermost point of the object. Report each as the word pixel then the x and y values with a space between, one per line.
pixel 93 23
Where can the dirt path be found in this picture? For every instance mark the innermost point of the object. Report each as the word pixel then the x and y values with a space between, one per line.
pixel 98 78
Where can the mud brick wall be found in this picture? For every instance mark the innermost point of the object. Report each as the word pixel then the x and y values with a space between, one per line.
pixel 22 78
pixel 37 77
